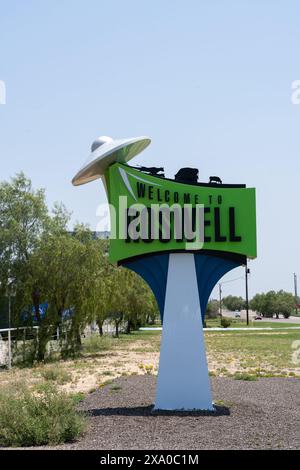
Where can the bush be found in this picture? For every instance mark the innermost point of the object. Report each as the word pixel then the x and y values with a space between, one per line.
pixel 31 419
pixel 96 343
pixel 56 374
pixel 244 376
pixel 225 322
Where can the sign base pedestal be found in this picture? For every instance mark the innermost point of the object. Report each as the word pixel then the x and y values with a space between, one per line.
pixel 183 382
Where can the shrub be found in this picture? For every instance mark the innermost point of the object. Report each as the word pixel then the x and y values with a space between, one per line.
pixel 225 322
pixel 244 376
pixel 96 343
pixel 30 419
pixel 147 368
pixel 56 374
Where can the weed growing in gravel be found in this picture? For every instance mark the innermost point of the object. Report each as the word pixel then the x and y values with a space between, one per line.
pixel 147 368
pixel 222 403
pixel 244 376
pixel 115 388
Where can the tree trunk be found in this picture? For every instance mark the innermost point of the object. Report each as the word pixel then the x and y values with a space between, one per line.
pixel 78 338
pixel 36 304
pixel 41 344
pixel 117 329
pixel 100 329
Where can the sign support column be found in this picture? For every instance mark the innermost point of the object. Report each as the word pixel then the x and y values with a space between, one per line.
pixel 183 380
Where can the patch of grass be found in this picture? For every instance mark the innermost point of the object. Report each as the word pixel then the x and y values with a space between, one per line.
pixel 239 323
pixel 244 376
pixel 56 374
pixel 96 343
pixel 117 364
pixel 115 388
pixel 266 349
pixel 146 349
pixel 77 397
pixel 31 419
pixel 144 341
pixel 42 387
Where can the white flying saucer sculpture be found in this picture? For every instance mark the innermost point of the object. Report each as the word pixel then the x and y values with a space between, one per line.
pixel 105 152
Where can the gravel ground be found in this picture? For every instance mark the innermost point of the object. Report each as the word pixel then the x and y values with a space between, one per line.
pixel 263 414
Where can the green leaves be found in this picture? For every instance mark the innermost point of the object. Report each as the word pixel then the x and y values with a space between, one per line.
pixel 233 303
pixel 273 303
pixel 68 271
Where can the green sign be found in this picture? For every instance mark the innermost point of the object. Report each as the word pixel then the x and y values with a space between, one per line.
pixel 152 215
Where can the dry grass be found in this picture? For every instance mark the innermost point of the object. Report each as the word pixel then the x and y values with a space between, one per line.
pixel 104 359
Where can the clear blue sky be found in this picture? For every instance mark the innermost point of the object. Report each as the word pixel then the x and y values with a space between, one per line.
pixel 208 81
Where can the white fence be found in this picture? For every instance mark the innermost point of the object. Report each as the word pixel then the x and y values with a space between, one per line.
pixel 53 345
pixel 3 352
pixel 6 345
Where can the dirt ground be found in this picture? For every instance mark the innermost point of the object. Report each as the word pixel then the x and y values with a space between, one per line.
pixel 227 354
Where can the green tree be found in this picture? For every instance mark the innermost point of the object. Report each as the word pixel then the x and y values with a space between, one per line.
pixel 256 303
pixel 269 304
pixel 67 269
pixel 285 304
pixel 68 272
pixel 212 308
pixel 233 303
pixel 128 299
pixel 23 220
pixel 273 303
pixel 152 310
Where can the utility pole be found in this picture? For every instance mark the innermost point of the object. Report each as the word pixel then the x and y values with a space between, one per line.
pixel 296 292
pixel 220 300
pixel 9 327
pixel 10 294
pixel 247 271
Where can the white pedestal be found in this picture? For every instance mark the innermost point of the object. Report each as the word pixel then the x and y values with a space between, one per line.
pixel 183 382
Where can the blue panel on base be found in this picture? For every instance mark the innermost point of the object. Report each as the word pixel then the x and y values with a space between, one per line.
pixel 154 270
pixel 209 271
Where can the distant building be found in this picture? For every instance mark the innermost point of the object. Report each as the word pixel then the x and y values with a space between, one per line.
pixel 103 235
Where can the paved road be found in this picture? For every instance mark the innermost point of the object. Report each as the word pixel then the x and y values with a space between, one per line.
pixel 292 319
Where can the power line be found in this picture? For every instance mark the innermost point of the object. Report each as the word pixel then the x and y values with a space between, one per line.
pixel 232 280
